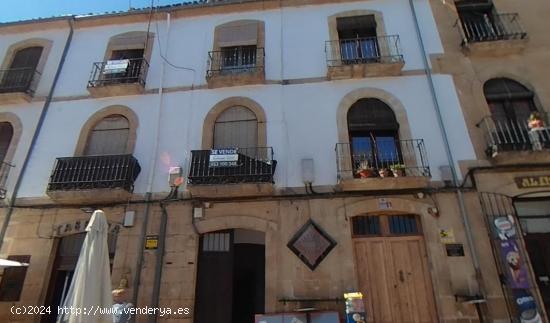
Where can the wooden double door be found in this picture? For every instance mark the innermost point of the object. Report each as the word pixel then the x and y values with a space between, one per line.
pixel 394 279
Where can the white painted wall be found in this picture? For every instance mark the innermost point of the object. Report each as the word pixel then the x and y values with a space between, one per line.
pixel 301 123
pixel 57 36
pixel 28 116
pixel 290 42
pixel 301 118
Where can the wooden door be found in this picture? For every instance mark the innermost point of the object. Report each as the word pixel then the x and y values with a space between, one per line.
pixel 214 287
pixel 394 277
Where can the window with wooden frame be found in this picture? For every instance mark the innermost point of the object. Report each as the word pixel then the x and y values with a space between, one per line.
pixel 385 225
pixel 108 137
pixel 6 134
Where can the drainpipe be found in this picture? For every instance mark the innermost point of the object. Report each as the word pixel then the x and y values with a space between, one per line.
pixel 36 133
pixel 450 158
pixel 150 181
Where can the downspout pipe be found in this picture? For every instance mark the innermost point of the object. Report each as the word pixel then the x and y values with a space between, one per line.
pixel 448 151
pixel 150 181
pixel 36 133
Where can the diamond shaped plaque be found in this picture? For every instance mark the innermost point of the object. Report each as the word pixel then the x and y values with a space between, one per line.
pixel 311 244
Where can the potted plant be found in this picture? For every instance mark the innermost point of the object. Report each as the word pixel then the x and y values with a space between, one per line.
pixel 385 172
pixel 365 171
pixel 535 121
pixel 398 170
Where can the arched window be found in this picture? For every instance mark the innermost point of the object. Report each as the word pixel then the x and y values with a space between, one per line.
pixel 21 70
pixel 108 137
pixel 6 134
pixel 373 134
pixel 236 127
pixel 509 101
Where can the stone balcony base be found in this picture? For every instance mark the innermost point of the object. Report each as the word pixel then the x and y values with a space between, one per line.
pixel 218 80
pixel 15 98
pixel 119 89
pixel 231 190
pixel 88 196
pixel 364 70
pixel 383 183
pixel 496 47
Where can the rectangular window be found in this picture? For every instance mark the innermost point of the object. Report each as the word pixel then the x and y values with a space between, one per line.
pixel 357 37
pixel 403 224
pixel 13 279
pixel 366 225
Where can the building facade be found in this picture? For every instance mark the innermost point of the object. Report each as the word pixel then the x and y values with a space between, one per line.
pixel 249 162
pixel 494 51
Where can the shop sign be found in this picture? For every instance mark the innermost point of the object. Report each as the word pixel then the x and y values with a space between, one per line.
pixel 533 181
pixel 454 249
pixel 79 226
pixel 447 236
pixel 116 66
pixel 223 158
pixel 151 242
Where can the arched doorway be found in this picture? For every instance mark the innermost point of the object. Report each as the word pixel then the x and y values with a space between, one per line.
pixel 230 286
pixel 66 258
pixel 392 269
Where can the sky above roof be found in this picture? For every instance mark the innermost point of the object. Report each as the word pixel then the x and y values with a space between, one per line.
pixel 14 10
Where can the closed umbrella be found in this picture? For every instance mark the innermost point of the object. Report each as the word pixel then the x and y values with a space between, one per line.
pixel 11 263
pixel 89 294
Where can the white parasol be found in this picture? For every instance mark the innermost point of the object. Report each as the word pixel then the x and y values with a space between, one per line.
pixel 89 294
pixel 12 263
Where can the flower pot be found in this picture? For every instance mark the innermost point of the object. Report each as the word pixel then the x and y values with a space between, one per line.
pixel 385 173
pixel 366 173
pixel 399 172
pixel 536 123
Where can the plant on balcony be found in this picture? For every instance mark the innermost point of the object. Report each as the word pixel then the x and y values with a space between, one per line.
pixel 365 171
pixel 535 121
pixel 386 172
pixel 398 170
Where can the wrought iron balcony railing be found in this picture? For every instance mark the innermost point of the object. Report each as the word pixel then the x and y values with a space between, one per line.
pixel 510 135
pixel 19 80
pixel 383 159
pixel 381 49
pixel 489 27
pixel 4 172
pixel 94 172
pixel 231 166
pixel 119 72
pixel 235 60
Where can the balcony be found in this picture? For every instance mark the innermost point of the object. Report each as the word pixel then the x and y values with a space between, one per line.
pixel 4 172
pixel 17 85
pixel 492 34
pixel 233 66
pixel 93 178
pixel 213 171
pixel 118 77
pixel 364 57
pixel 399 165
pixel 514 141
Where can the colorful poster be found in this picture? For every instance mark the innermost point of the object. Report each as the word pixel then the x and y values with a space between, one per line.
pixel 505 227
pixel 527 307
pixel 515 268
pixel 355 308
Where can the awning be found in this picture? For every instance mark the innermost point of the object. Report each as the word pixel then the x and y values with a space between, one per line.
pixel 11 263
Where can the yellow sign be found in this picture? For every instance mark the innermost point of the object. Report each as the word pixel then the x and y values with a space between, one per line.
pixel 151 242
pixel 447 236
pixel 533 181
